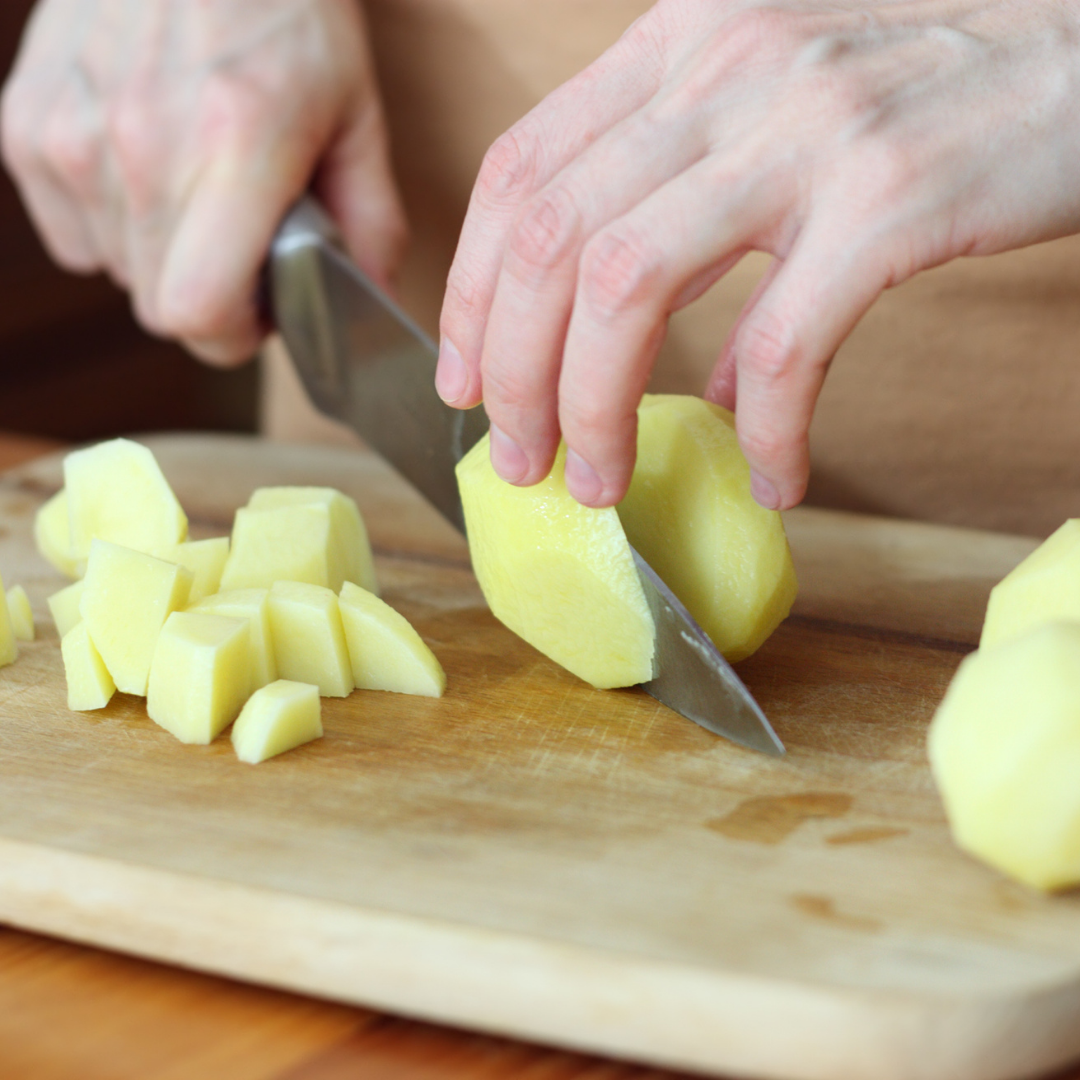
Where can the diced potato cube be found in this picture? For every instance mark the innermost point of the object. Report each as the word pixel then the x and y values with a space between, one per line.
pixel 52 533
pixel 253 605
pixel 9 648
pixel 200 676
pixel 126 599
pixel 20 613
pixel 309 640
pixel 204 558
pixel 386 651
pixel 64 607
pixel 279 717
pixel 89 684
pixel 116 492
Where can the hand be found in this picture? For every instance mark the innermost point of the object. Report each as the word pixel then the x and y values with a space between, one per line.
pixel 857 141
pixel 163 140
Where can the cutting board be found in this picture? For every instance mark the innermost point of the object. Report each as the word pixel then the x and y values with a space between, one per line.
pixel 533 857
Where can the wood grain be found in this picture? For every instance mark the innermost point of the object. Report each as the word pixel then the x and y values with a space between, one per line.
pixel 532 857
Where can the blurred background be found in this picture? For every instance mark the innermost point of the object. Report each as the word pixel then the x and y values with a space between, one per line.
pixel 73 363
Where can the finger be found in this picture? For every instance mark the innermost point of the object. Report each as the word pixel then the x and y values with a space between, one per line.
pixel 518 164
pixel 783 349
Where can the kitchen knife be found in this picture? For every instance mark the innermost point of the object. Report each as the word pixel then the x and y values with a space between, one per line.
pixel 365 362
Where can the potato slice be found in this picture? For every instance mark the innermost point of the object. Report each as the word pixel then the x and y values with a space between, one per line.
pixel 116 492
pixel 64 607
pixel 309 640
pixel 52 534
pixel 557 573
pixel 253 605
pixel 127 597
pixel 200 675
pixel 20 613
pixel 1045 587
pixel 689 512
pixel 89 684
pixel 386 652
pixel 204 558
pixel 279 717
pixel 1005 751
pixel 9 647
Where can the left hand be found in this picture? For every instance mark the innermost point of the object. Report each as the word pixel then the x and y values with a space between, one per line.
pixel 857 141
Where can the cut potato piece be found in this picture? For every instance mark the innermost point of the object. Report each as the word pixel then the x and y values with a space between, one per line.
pixel 89 684
pixel 1044 588
pixel 253 605
pixel 204 558
pixel 64 607
pixel 1005 751
pixel 116 492
pixel 9 647
pixel 20 613
pixel 309 640
pixel 127 597
pixel 385 651
pixel 690 514
pixel 52 534
pixel 200 676
pixel 557 573
pixel 279 717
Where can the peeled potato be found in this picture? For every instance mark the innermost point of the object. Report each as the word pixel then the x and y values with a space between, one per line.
pixel 52 534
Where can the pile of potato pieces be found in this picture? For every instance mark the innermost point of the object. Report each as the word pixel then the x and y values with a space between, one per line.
pixel 213 632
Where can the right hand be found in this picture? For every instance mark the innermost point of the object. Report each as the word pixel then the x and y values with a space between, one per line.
pixel 163 140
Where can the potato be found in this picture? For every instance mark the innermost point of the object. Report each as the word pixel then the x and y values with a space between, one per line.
pixel 253 605
pixel 116 492
pixel 9 648
pixel 385 651
pixel 279 717
pixel 20 613
pixel 1005 751
pixel 1044 587
pixel 200 675
pixel 127 596
pixel 559 574
pixel 52 534
pixel 309 640
pixel 690 514
pixel 64 607
pixel 204 558
pixel 89 684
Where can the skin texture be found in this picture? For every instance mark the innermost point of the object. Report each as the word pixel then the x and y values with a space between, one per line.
pixel 163 140
pixel 857 142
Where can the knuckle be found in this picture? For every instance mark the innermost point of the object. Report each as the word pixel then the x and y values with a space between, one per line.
pixel 767 346
pixel 233 109
pixel 507 387
pixel 135 138
pixel 760 34
pixel 464 300
pixel 510 166
pixel 547 230
pixel 71 151
pixel 763 444
pixel 619 270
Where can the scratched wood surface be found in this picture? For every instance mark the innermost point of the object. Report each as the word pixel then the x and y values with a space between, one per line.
pixel 531 857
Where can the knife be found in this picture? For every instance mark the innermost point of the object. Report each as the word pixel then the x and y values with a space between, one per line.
pixel 365 362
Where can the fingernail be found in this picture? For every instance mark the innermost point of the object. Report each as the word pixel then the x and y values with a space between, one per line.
pixel 451 377
pixel 764 492
pixel 507 458
pixel 581 479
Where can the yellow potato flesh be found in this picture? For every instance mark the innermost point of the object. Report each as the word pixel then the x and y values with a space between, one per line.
pixel 1045 587
pixel 52 534
pixel 560 575
pixel 127 596
pixel 64 607
pixel 386 652
pixel 116 492
pixel 9 648
pixel 1005 751
pixel 309 640
pixel 204 558
pixel 89 684
pixel 690 514
pixel 200 676
pixel 253 605
pixel 20 613
pixel 279 717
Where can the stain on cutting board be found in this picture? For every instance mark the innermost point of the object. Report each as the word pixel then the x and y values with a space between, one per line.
pixel 768 819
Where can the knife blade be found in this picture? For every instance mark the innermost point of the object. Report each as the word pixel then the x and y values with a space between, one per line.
pixel 365 362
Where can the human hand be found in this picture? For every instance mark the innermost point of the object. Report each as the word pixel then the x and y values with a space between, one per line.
pixel 163 140
pixel 857 141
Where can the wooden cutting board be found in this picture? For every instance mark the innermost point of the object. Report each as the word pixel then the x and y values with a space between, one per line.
pixel 533 857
